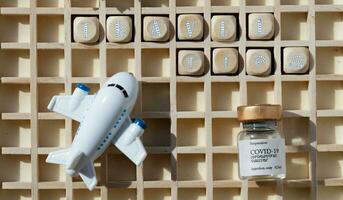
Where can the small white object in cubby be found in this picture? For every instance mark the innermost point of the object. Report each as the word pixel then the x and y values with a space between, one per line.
pixel 297 165
pixel 190 27
pixel 86 29
pixel 261 26
pixel 119 29
pixel 156 28
pixel 225 61
pixel 296 60
pixel 258 62
pixel 191 62
pixel 223 28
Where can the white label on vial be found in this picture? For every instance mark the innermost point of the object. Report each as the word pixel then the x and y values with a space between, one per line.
pixel 156 31
pixel 226 62
pixel 222 29
pixel 260 60
pixel 190 28
pixel 259 26
pixel 119 31
pixel 85 30
pixel 189 61
pixel 262 157
pixel 297 61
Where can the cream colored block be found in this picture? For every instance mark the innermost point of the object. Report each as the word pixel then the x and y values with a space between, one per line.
pixel 190 27
pixel 225 61
pixel 295 60
pixel 261 26
pixel 156 28
pixel 119 29
pixel 223 28
pixel 86 29
pixel 258 62
pixel 191 62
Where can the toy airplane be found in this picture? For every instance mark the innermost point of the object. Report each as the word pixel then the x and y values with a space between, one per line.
pixel 104 119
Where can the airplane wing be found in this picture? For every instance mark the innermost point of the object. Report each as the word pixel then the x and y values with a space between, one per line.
pixel 88 176
pixel 127 141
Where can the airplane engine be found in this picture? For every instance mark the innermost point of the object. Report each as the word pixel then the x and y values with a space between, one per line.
pixel 80 92
pixel 136 129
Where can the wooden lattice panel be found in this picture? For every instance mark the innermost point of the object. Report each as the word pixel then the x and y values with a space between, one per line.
pixel 192 131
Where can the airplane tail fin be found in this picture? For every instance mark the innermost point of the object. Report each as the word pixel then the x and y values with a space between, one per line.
pixel 88 176
pixel 58 157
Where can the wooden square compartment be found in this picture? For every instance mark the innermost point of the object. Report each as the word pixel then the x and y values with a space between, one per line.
pixel 263 192
pixel 260 93
pixel 85 194
pixel 191 167
pixel 120 4
pixel 17 194
pixel 294 26
pixel 51 133
pixel 225 131
pixel 157 167
pixel 157 194
pixel 259 2
pixel 329 2
pixel 225 167
pixel 48 172
pixel 190 97
pixel 329 26
pixel 45 94
pixel 189 3
pixel 15 3
pixel 18 98
pixel 119 60
pixel 329 95
pixel 155 97
pixel 85 3
pixel 155 3
pixel 297 166
pixel 225 96
pixel 15 28
pixel 225 2
pixel 85 63
pixel 155 63
pixel 51 28
pixel 121 168
pixel 51 63
pixel 294 2
pixel 158 133
pixel 329 60
pixel 122 193
pixel 15 133
pixel 332 159
pixel 50 3
pixel 191 194
pixel 15 168
pixel 226 193
pixel 330 130
pixel 15 63
pixel 300 193
pixel 332 193
pixel 52 194
pixel 191 132
pixel 295 96
pixel 296 130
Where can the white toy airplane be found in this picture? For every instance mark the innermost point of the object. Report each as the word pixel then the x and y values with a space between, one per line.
pixel 104 119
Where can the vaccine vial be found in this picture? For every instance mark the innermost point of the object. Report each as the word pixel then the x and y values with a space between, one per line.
pixel 261 148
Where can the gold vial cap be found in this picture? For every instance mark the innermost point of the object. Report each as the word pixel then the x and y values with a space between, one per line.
pixel 259 112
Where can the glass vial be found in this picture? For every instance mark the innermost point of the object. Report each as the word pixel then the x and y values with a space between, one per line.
pixel 261 148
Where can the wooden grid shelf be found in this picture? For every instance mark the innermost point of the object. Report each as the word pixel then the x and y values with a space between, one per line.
pixel 192 134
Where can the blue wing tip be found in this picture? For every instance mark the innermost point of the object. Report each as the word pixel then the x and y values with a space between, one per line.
pixel 140 123
pixel 83 87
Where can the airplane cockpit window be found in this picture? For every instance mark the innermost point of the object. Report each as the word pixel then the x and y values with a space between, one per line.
pixel 121 88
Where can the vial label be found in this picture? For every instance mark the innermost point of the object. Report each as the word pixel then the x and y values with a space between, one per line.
pixel 259 26
pixel 189 61
pixel 85 30
pixel 119 31
pixel 297 61
pixel 226 62
pixel 156 30
pixel 223 32
pixel 190 28
pixel 260 60
pixel 262 157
